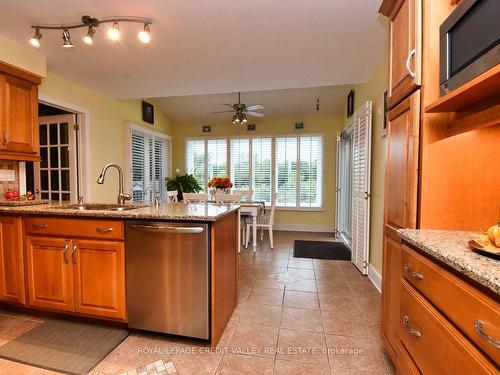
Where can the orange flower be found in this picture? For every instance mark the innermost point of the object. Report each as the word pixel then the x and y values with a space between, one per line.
pixel 220 183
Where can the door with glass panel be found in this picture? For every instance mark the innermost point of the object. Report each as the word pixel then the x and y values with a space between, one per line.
pixel 56 175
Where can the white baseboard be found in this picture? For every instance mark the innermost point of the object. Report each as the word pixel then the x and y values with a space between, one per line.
pixel 375 277
pixel 304 228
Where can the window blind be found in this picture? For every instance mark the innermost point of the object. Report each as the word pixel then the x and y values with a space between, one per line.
pixel 311 171
pixel 286 170
pixel 216 158
pixel 195 160
pixel 262 169
pixel 240 163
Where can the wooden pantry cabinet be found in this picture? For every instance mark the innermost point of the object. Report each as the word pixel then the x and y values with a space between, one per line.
pixel 18 114
pixel 76 265
pixel 12 287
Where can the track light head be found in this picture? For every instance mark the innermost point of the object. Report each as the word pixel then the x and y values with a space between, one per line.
pixel 67 39
pixel 89 38
pixel 35 39
pixel 145 35
pixel 114 31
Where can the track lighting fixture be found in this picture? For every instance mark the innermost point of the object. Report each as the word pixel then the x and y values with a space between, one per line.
pixel 89 38
pixel 145 35
pixel 67 39
pixel 92 23
pixel 35 39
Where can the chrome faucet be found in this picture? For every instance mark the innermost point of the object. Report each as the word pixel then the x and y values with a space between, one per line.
pixel 155 195
pixel 122 197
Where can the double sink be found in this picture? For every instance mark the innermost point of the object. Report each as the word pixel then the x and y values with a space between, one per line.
pixel 102 207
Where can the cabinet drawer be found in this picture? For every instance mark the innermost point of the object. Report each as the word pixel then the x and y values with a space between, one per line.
pixel 74 228
pixel 435 345
pixel 460 302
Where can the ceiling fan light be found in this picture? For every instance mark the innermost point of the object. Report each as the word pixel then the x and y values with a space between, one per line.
pixel 89 38
pixel 145 35
pixel 35 39
pixel 67 39
pixel 114 31
pixel 244 118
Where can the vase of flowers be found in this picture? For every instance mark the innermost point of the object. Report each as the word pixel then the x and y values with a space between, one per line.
pixel 221 184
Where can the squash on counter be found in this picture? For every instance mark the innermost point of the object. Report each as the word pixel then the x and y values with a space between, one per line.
pixel 494 234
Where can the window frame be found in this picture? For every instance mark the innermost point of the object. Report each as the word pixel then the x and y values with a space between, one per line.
pixel 128 152
pixel 273 138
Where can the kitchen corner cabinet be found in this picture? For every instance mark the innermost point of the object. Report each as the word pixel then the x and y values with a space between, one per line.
pixel 69 273
pixel 405 39
pixel 12 287
pixel 18 115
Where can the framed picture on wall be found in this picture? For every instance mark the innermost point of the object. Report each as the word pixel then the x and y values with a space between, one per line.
pixel 350 103
pixel 385 114
pixel 148 112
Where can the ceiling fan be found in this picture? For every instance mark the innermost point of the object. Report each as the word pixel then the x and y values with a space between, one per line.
pixel 241 110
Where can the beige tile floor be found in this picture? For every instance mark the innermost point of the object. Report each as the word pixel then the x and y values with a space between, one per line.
pixel 322 318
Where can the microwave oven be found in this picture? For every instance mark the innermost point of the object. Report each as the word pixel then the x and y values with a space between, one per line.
pixel 469 42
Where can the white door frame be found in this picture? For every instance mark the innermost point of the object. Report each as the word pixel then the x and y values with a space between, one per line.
pixel 83 119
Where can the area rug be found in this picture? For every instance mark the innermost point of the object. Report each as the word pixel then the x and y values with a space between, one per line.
pixel 64 346
pixel 321 250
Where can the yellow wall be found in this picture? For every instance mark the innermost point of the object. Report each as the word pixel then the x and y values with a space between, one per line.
pixel 22 57
pixel 373 90
pixel 107 120
pixel 329 126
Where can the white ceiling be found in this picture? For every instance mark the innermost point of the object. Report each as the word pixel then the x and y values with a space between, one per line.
pixel 208 46
pixel 295 103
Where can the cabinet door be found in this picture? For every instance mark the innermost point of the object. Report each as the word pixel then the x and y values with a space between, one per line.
pixel 401 180
pixel 11 261
pixel 391 276
pixel 405 50
pixel 19 109
pixel 99 268
pixel 50 273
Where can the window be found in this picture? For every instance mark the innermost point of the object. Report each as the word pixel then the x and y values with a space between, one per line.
pixel 150 162
pixel 295 171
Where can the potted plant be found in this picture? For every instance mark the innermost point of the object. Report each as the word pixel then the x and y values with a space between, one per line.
pixel 221 183
pixel 185 183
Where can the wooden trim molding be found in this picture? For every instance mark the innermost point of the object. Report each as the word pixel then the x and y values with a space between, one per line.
pixel 20 73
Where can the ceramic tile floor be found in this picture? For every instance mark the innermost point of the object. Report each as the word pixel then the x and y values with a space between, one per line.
pixel 294 316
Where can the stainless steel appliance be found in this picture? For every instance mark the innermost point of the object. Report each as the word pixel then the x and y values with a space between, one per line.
pixel 469 42
pixel 168 277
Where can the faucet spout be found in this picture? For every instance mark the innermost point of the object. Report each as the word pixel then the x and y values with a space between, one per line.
pixel 122 197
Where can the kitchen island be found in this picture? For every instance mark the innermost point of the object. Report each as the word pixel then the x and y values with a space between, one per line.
pixel 72 260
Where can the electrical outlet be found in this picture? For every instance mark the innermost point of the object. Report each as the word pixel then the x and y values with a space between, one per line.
pixel 7 175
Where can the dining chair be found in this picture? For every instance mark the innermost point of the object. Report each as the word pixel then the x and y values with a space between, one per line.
pixel 263 222
pixel 194 197
pixel 246 195
pixel 227 198
pixel 172 196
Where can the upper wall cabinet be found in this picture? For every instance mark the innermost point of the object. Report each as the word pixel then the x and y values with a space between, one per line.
pixel 405 27
pixel 18 115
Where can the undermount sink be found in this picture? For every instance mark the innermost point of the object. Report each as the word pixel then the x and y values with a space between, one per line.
pixel 102 207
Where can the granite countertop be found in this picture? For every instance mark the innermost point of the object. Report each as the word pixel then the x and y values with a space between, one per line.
pixel 451 248
pixel 166 211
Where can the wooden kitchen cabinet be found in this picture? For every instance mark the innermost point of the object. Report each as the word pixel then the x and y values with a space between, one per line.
pixel 18 115
pixel 12 287
pixel 405 41
pixel 50 273
pixel 99 278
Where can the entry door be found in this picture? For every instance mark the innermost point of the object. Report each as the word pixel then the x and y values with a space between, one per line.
pixel 360 238
pixel 344 184
pixel 56 175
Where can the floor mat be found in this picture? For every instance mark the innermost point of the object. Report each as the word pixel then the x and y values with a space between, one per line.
pixel 321 250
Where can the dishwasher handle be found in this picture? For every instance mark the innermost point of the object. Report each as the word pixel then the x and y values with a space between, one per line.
pixel 166 229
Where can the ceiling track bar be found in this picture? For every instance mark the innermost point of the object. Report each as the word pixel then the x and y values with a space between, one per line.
pixel 94 22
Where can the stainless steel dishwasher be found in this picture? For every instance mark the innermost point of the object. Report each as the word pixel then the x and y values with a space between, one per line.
pixel 168 277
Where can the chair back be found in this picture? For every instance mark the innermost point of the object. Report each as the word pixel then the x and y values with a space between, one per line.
pixel 172 196
pixel 274 199
pixel 246 195
pixel 227 198
pixel 194 197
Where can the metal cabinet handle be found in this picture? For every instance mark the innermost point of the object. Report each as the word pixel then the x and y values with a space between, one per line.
pixel 167 229
pixel 65 253
pixel 416 275
pixel 4 137
pixel 39 226
pixel 412 52
pixel 73 254
pixel 478 326
pixel 104 230
pixel 413 331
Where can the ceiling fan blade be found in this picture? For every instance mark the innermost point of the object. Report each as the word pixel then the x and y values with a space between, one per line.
pixel 222 112
pixel 255 107
pixel 256 114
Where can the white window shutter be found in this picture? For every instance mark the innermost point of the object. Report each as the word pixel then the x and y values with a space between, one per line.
pixel 361 187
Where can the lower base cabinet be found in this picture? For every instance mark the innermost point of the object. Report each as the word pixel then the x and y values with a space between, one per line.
pixel 12 287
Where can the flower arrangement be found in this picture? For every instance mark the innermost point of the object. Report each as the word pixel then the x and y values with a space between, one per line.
pixel 220 183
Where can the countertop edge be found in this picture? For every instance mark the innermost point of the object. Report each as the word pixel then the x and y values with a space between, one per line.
pixel 450 260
